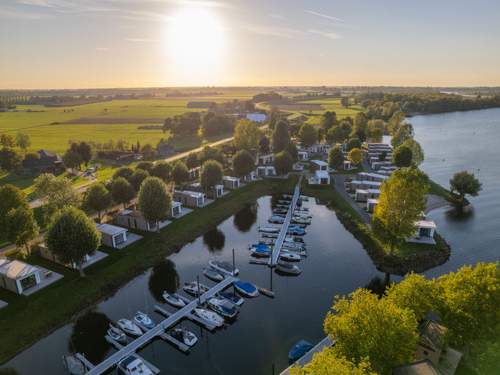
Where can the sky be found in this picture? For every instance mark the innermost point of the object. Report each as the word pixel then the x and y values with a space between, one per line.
pixel 143 43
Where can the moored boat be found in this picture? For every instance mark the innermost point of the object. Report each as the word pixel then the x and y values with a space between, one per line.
pixel 223 267
pixel 269 229
pixel 288 269
pixel 192 288
pixel 246 288
pixel 144 321
pixel 173 299
pixel 133 365
pixel 184 336
pixel 290 257
pixel 234 298
pixel 212 274
pixel 117 334
pixel 223 307
pixel 209 316
pixel 129 327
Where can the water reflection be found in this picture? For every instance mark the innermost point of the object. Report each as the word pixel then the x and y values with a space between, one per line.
pixel 460 214
pixel 163 277
pixel 246 217
pixel 88 336
pixel 378 285
pixel 214 239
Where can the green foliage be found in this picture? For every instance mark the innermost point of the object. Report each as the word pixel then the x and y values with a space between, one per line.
pixel 335 158
pixel 308 135
pixel 355 156
pixel 402 156
pixel 145 166
pixel 11 197
pixel 55 192
pixel 213 124
pixel 98 198
pixel 185 124
pixel 162 170
pixel 72 159
pixel 365 326
pixel 246 135
pixel 154 200
pixel 10 159
pixel 21 227
pixel 243 163
pixel 23 141
pixel 122 191
pixel 416 151
pixel 328 120
pixel 328 362
pixel 137 177
pixel 403 133
pixel 281 137
pixel 353 143
pixel 180 173
pixel 211 174
pixel 192 161
pixel 283 162
pixel 395 122
pixel 7 141
pixel 464 183
pixel 210 153
pixel 375 130
pixel 264 144
pixel 344 101
pixel 72 235
pixel 125 172
pixel 360 127
pixel 339 133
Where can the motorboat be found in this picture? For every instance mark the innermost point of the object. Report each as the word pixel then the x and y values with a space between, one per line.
pixel 269 235
pixel 275 219
pixel 290 257
pixel 192 288
pixel 303 214
pixel 234 298
pixel 294 231
pixel 280 211
pixel 129 327
pixel 296 225
pixel 223 307
pixel 117 334
pixel 133 365
pixel 173 299
pixel 299 350
pixel 260 251
pixel 212 274
pixel 246 288
pixel 301 220
pixel 184 336
pixel 225 268
pixel 269 229
pixel 144 321
pixel 209 316
pixel 74 365
pixel 301 252
pixel 294 239
pixel 294 245
pixel 287 268
pixel 267 241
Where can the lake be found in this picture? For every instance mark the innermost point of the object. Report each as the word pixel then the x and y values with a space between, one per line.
pixel 266 328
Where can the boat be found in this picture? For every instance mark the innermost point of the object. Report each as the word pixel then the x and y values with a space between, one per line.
pixel 212 274
pixel 173 299
pixel 287 268
pixel 267 241
pixel 280 211
pixel 296 231
pixel 290 257
pixel 301 252
pixel 144 321
pixel 116 334
pixel 269 235
pixel 133 365
pixel 192 288
pixel 294 246
pixel 294 238
pixel 246 288
pixel 275 219
pixel 260 251
pixel 129 327
pixel 74 365
pixel 296 225
pixel 301 220
pixel 223 267
pixel 234 298
pixel 184 336
pixel 209 316
pixel 269 229
pixel 299 350
pixel 223 307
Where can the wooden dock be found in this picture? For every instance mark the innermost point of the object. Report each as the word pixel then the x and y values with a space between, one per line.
pixel 158 330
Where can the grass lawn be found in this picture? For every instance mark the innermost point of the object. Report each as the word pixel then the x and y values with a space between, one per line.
pixel 58 303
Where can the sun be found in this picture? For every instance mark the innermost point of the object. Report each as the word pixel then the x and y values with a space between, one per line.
pixel 195 42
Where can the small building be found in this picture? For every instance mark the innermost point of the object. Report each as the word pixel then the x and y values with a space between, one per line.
pixel 112 235
pixel 365 176
pixel 424 232
pixel 379 147
pixel 216 192
pixel 266 171
pixel 231 183
pixel 376 165
pixel 252 176
pixel 352 186
pixel 134 219
pixel 319 148
pixel 18 276
pixel 362 195
pixel 320 178
pixel 265 159
pixel 190 198
pixel 371 203
pixel 46 162
pixel 303 155
pixel 175 210
pixel 347 165
pixel 319 165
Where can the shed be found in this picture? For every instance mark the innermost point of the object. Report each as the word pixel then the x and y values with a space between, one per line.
pixel 18 276
pixel 175 209
pixel 134 219
pixel 266 171
pixel 231 182
pixel 190 198
pixel 303 155
pixel 319 165
pixel 371 203
pixel 265 159
pixel 112 235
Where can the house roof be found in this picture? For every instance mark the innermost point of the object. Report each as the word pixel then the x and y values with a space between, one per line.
pixel 109 229
pixel 319 163
pixel 176 204
pixel 230 178
pixel 369 183
pixel 372 201
pixel 15 269
pixel 424 367
pixel 194 194
pixel 426 224
pixel 322 174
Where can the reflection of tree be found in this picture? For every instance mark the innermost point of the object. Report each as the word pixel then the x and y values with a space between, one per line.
pixel 163 277
pixel 378 285
pixel 88 336
pixel 246 217
pixel 458 214
pixel 214 239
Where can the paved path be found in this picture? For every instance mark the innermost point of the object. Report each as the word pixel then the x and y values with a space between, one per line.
pixel 340 187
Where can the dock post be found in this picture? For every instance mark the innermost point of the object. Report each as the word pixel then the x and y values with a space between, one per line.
pixel 234 263
pixel 199 294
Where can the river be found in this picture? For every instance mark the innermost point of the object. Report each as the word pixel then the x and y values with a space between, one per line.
pixel 267 328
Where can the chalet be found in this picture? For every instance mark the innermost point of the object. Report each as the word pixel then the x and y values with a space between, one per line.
pixel 347 165
pixel 112 236
pixel 303 155
pixel 379 147
pixel 231 183
pixel 353 185
pixel 252 176
pixel 265 159
pixel 371 204
pixel 18 276
pixel 319 148
pixel 365 176
pixel 134 219
pixel 190 198
pixel 46 162
pixel 266 171
pixel 319 165
pixel 175 210
pixel 424 232
pixel 362 195
pixel 320 178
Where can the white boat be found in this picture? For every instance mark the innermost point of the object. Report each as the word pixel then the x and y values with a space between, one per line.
pixel 269 229
pixel 212 274
pixel 287 268
pixel 184 336
pixel 117 334
pixel 192 288
pixel 291 257
pixel 223 267
pixel 300 220
pixel 209 316
pixel 173 299
pixel 129 327
pixel 269 235
pixel 74 365
pixel 294 246
pixel 223 307
pixel 144 321
pixel 133 365
pixel 275 219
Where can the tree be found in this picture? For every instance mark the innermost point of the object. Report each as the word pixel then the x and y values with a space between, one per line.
pixel 162 170
pixel 464 183
pixel 9 371
pixel 210 153
pixel 402 157
pixel 307 135
pixel 416 151
pixel 344 101
pixel 85 151
pixel 10 159
pixel 243 163
pixel 328 362
pixel 23 141
pixel 71 236
pixel 137 177
pixel 11 197
pixel 180 173
pixel 145 166
pixel 403 133
pixel 395 122
pixel 355 156
pixel 283 162
pixel 122 191
pixel 192 161
pixel 148 151
pixel 246 135
pixel 328 120
pixel 264 144
pixel 293 151
pixel 353 143
pixel 21 227
pixel 211 174
pixel 55 192
pixel 281 137
pixel 339 133
pixel 401 202
pixel 98 198
pixel 360 126
pixel 72 159
pixel 375 130
pixel 274 117
pixel 365 326
pixel 154 200
pixel 7 141
pixel 335 158
pixel 125 172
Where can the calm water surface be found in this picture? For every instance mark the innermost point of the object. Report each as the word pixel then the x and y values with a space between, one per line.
pixel 267 328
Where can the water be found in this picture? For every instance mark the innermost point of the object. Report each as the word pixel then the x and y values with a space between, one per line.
pixel 267 328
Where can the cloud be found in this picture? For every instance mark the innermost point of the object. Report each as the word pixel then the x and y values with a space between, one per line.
pixel 21 14
pixel 276 31
pixel 326 34
pixel 326 16
pixel 140 40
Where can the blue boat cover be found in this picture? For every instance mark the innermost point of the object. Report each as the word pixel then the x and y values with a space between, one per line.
pixel 246 286
pixel 299 350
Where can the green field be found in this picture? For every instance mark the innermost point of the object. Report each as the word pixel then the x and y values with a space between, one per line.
pixel 330 105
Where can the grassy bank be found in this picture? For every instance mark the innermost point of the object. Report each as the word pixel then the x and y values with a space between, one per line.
pixel 28 319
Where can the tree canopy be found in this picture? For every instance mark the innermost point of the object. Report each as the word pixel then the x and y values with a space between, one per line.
pixel 464 183
pixel 246 135
pixel 328 362
pixel 328 120
pixel 283 162
pixel 10 159
pixel 308 135
pixel 416 151
pixel 137 177
pixel 281 137
pixel 21 227
pixel 180 173
pixel 211 174
pixel 243 163
pixel 355 156
pixel 402 156
pixel 122 191
pixel 154 201
pixel 402 133
pixel 353 143
pixel 98 198
pixel 11 197
pixel 125 172
pixel 335 158
pixel 57 192
pixel 162 170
